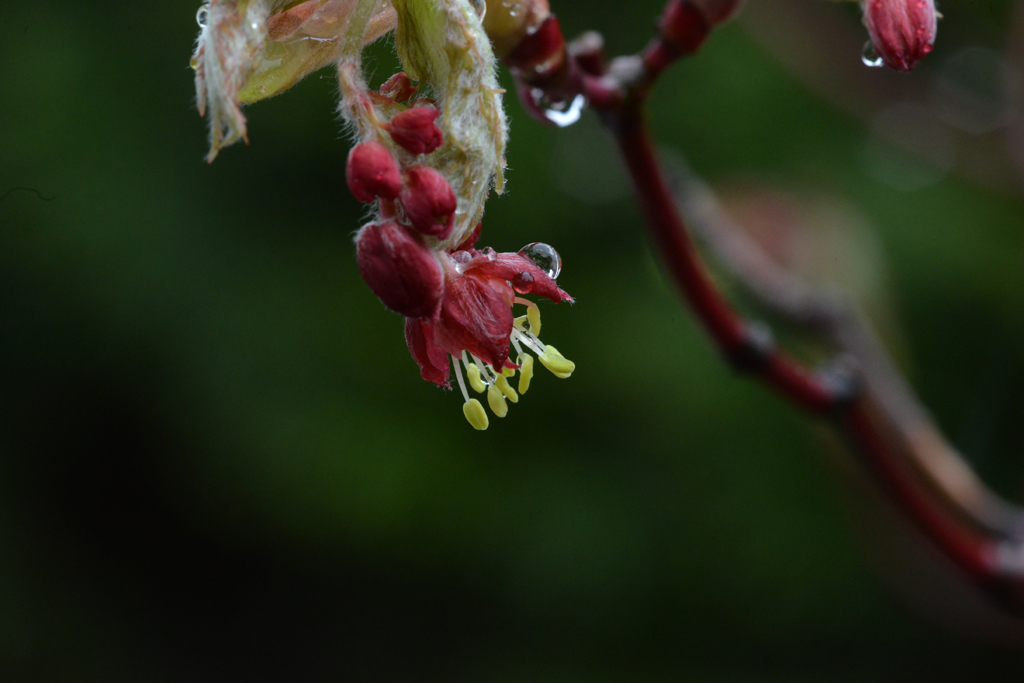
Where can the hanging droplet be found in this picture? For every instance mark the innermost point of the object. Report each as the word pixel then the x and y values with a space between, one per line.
pixel 869 56
pixel 203 15
pixel 562 114
pixel 544 257
pixel 523 283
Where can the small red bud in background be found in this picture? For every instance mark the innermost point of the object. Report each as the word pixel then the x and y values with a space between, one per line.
pixel 372 172
pixel 684 26
pixel 428 202
pixel 717 11
pixel 398 87
pixel 402 271
pixel 415 131
pixel 902 31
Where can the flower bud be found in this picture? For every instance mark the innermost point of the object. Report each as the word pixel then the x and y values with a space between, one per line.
pixel 429 202
pixel 508 23
pixel 398 87
pixel 684 26
pixel 902 31
pixel 717 11
pixel 402 271
pixel 415 131
pixel 372 172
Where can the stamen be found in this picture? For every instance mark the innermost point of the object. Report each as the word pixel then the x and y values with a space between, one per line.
pixel 476 414
pixel 532 314
pixel 473 375
pixel 525 371
pixel 529 341
pixel 508 372
pixel 485 370
pixel 496 400
pixel 558 364
pixel 515 342
pixel 506 389
pixel 458 376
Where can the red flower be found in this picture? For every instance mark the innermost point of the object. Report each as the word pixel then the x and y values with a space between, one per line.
pixel 475 326
pixel 902 31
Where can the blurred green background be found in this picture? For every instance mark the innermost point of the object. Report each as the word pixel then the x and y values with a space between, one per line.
pixel 218 462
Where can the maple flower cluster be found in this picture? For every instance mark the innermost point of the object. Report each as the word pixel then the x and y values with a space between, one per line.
pixel 429 149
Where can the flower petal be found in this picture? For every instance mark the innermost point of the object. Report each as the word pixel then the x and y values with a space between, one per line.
pixel 433 361
pixel 476 318
pixel 510 266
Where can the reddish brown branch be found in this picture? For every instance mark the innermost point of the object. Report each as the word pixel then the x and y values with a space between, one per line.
pixel 985 539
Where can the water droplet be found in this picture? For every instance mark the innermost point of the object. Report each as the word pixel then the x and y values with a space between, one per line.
pixel 489 253
pixel 869 56
pixel 544 257
pixel 202 15
pixel 523 283
pixel 462 257
pixel 562 114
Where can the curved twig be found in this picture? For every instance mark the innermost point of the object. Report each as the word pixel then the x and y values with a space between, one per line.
pixel 868 401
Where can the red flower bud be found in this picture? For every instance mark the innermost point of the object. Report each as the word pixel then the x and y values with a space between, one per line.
pixel 428 201
pixel 400 269
pixel 684 26
pixel 372 172
pixel 398 87
pixel 902 31
pixel 415 131
pixel 717 11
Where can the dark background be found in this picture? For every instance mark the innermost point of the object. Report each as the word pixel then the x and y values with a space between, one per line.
pixel 218 462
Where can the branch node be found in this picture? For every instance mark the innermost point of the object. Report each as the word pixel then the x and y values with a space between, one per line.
pixel 842 376
pixel 588 50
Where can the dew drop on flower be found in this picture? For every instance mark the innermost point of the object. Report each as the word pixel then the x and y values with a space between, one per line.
pixel 869 56
pixel 544 257
pixel 523 283
pixel 202 15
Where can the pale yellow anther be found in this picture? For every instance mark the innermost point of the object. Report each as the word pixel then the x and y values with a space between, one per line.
pixel 520 323
pixel 474 378
pixel 525 372
pixel 533 315
pixel 506 389
pixel 508 372
pixel 475 413
pixel 557 363
pixel 496 400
